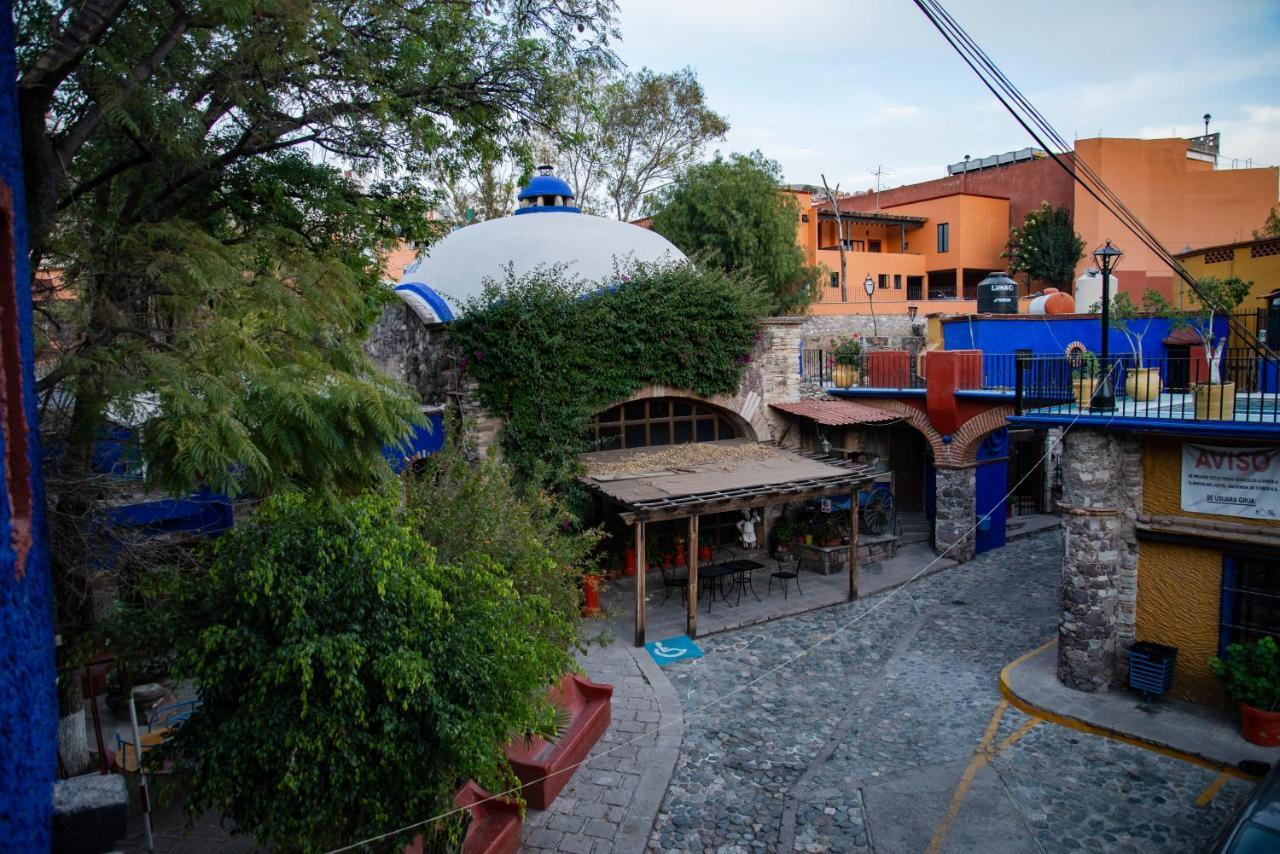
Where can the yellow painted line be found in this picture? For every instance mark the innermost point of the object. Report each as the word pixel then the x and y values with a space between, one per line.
pixel 1207 795
pixel 1017 734
pixel 981 756
pixel 1082 726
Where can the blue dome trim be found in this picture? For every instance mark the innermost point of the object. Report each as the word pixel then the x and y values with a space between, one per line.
pixel 431 298
pixel 548 209
pixel 546 185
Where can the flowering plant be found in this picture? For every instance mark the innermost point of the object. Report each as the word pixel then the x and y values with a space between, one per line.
pixel 848 351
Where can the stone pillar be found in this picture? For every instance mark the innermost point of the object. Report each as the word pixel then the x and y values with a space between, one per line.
pixel 1093 508
pixel 956 512
pixel 1129 484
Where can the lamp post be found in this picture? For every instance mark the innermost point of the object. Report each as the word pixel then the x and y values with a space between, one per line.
pixel 1106 257
pixel 869 286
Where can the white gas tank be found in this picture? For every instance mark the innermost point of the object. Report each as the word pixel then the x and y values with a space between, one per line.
pixel 1088 291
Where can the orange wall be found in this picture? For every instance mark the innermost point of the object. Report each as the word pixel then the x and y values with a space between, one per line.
pixel 1186 203
pixel 979 231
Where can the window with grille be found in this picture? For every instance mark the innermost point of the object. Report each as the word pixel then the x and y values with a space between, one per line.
pixel 944 237
pixel 658 421
pixel 1250 606
pixel 884 281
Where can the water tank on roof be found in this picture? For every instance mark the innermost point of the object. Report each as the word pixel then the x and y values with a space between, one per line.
pixel 1088 291
pixel 1052 301
pixel 997 294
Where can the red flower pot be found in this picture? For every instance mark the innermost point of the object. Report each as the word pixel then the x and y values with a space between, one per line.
pixel 704 554
pixel 629 562
pixel 590 595
pixel 681 558
pixel 1259 727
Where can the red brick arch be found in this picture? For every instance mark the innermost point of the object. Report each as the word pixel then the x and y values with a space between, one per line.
pixel 967 438
pixel 920 421
pixel 744 408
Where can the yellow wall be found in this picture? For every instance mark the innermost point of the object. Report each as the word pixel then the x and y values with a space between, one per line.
pixel 1179 585
pixel 1249 261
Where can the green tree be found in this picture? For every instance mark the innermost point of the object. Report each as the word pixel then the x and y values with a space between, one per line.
pixel 1212 297
pixel 732 214
pixel 349 677
pixel 1046 247
pixel 1270 228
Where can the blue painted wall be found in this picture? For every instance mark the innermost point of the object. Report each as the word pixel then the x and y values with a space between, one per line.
pixel 28 694
pixel 1045 334
pixel 991 482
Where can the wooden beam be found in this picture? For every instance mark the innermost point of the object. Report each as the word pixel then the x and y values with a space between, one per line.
pixel 642 569
pixel 853 547
pixel 691 592
pixel 776 496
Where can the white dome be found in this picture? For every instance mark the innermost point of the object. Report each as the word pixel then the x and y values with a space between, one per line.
pixel 455 269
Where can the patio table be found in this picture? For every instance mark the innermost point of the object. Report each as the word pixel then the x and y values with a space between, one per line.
pixel 713 573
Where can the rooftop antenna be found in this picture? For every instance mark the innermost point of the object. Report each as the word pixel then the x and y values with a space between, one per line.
pixel 878 171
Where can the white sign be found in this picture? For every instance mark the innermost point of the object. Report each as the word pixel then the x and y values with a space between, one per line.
pixel 1231 481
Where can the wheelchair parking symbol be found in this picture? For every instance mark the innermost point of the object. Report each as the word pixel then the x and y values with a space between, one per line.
pixel 671 650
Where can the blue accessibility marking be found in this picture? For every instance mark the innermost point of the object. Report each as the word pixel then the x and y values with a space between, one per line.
pixel 671 650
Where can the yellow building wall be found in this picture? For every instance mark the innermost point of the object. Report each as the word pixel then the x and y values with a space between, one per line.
pixel 1247 262
pixel 1180 585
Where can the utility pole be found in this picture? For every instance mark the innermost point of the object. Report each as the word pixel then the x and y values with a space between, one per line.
pixel 878 171
pixel 835 206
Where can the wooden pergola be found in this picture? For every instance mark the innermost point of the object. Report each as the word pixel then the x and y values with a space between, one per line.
pixel 659 484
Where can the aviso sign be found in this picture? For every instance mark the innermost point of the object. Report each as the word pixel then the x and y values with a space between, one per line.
pixel 1231 481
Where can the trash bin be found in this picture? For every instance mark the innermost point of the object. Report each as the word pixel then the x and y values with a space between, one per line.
pixel 1151 668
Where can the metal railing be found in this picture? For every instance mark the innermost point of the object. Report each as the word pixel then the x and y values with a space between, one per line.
pixel 880 369
pixel 1179 387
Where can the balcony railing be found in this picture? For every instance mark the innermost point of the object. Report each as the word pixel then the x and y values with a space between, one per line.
pixel 1175 388
pixel 879 369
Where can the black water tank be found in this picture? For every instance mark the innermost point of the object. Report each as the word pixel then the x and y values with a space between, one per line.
pixel 997 294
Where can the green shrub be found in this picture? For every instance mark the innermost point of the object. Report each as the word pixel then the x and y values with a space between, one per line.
pixel 848 351
pixel 350 679
pixel 1251 673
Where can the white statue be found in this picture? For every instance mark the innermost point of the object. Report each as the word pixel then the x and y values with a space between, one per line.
pixel 747 528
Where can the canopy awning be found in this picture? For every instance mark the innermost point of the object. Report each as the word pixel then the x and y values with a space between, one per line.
pixel 837 413
pixel 676 481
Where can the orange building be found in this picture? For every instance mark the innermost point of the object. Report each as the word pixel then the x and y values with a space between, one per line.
pixel 1172 185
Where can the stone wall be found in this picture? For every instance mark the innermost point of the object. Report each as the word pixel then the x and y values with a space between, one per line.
pixel 956 512
pixel 1101 495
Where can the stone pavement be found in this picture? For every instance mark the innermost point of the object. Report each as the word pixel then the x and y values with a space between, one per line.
pixel 1208 733
pixel 610 803
pixel 879 725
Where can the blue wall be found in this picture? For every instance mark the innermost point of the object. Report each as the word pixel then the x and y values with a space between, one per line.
pixel 1049 335
pixel 991 483
pixel 28 693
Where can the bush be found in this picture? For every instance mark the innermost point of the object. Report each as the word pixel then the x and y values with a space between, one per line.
pixel 350 679
pixel 1251 673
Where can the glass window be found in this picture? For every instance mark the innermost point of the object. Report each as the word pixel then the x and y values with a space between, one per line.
pixel 610 438
pixel 1250 607
pixel 634 410
pixel 660 433
pixel 835 280
pixel 706 429
pixel 684 432
pixel 683 408
pixel 661 421
pixel 659 408
pixel 897 281
pixel 884 281
pixel 944 237
pixel 614 414
pixel 636 436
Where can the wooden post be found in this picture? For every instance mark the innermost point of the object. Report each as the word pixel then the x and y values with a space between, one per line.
pixel 853 546
pixel 691 594
pixel 642 569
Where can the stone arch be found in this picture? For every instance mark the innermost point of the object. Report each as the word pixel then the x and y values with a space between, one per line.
pixel 942 452
pixel 745 409
pixel 967 438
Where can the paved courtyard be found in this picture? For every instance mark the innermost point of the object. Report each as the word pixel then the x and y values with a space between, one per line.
pixel 891 734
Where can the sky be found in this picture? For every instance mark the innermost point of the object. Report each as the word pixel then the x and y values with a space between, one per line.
pixel 842 87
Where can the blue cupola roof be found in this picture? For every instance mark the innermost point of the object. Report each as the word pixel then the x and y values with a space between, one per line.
pixel 546 193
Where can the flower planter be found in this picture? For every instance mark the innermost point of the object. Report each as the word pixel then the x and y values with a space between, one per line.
pixel 1216 402
pixel 844 376
pixel 1259 727
pixel 1083 389
pixel 591 596
pixel 494 828
pixel 704 554
pixel 629 562
pixel 544 767
pixel 1142 384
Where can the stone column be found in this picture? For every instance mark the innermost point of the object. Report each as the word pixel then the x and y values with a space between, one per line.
pixel 1129 486
pixel 1093 511
pixel 956 512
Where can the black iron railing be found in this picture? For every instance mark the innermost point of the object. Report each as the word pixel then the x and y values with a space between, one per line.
pixel 1241 386
pixel 886 369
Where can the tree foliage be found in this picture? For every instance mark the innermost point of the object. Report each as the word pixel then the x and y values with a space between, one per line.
pixel 625 135
pixel 1046 247
pixel 349 676
pixel 731 214
pixel 548 352
pixel 1270 228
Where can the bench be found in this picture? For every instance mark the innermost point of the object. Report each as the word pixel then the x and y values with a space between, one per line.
pixel 494 828
pixel 545 767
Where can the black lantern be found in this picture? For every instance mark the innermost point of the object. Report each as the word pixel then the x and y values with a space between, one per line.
pixel 911 311
pixel 869 285
pixel 1104 398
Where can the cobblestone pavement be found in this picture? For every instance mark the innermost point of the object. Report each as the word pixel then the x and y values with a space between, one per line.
pixel 610 804
pixel 862 744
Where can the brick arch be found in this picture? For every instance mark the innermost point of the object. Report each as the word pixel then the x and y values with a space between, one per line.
pixel 744 408
pixel 967 438
pixel 942 452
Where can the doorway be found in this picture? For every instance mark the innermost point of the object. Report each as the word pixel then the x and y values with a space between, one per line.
pixel 907 453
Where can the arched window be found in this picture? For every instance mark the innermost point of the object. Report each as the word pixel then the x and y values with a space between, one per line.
pixel 659 421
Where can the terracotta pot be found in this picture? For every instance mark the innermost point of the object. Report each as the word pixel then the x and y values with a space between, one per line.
pixel 704 554
pixel 1259 727
pixel 590 595
pixel 629 562
pixel 1215 401
pixel 843 376
pixel 1083 388
pixel 681 558
pixel 1142 384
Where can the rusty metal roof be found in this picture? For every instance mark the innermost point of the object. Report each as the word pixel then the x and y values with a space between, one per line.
pixel 837 413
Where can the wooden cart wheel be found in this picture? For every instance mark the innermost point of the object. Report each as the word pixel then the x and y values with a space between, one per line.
pixel 877 512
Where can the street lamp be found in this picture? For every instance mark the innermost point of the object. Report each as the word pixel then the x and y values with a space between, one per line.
pixel 911 311
pixel 869 285
pixel 1106 257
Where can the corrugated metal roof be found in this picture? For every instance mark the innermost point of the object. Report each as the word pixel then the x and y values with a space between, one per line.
pixel 837 413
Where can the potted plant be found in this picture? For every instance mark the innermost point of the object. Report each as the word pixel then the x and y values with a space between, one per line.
pixel 1140 382
pixel 1215 399
pixel 591 594
pixel 1251 675
pixel 784 532
pixel 847 356
pixel 1084 375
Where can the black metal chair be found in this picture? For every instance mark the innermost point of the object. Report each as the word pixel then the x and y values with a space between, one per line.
pixel 672 580
pixel 788 571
